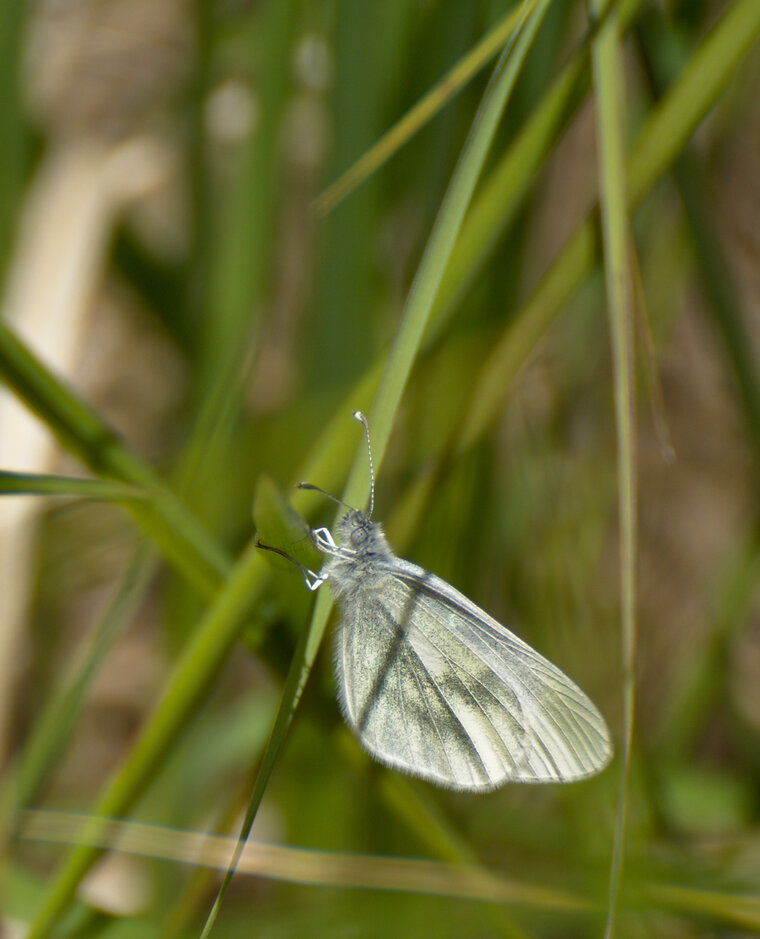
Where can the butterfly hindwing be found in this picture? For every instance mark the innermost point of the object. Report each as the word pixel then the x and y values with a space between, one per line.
pixel 433 685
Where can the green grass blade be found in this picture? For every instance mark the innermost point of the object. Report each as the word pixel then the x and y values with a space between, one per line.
pixel 439 249
pixel 506 187
pixel 609 94
pixel 179 536
pixel 395 376
pixel 34 484
pixel 416 118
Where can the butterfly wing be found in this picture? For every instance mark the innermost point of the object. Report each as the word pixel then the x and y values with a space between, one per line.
pixel 431 684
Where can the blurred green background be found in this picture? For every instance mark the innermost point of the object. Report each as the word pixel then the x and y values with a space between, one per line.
pixel 194 314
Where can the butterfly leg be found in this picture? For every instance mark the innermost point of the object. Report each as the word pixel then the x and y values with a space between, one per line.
pixel 323 540
pixel 313 581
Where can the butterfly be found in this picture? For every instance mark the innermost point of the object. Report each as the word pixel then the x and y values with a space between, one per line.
pixel 434 686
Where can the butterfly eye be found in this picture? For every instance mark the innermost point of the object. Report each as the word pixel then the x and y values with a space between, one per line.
pixel 358 536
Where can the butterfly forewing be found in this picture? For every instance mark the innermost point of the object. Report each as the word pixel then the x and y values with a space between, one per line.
pixel 404 700
pixel 433 685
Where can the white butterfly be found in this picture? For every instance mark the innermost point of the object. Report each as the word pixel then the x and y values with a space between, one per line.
pixel 434 686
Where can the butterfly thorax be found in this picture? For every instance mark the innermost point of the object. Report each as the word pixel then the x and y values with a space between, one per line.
pixel 361 547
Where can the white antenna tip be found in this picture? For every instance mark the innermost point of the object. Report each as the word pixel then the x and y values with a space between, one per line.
pixel 358 416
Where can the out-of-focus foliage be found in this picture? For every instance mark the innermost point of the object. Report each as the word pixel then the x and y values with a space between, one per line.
pixel 199 332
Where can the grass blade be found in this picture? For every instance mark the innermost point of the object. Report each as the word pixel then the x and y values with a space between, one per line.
pixel 394 378
pixel 40 484
pixel 613 187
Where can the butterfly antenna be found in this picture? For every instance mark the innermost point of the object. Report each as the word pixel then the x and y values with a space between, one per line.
pixel 358 416
pixel 324 493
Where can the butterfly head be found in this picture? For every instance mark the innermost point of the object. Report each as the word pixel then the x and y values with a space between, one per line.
pixel 358 534
pixel 359 539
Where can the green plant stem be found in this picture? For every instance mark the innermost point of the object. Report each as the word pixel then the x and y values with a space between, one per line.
pixel 610 124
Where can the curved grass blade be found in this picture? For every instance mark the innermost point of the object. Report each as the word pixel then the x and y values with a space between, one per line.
pixel 395 375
